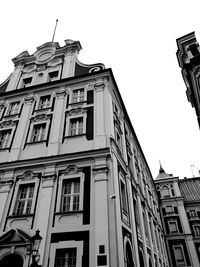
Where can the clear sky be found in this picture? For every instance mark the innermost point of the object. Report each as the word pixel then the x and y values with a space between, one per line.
pixel 137 39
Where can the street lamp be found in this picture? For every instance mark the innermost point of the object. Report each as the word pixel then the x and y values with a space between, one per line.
pixel 36 240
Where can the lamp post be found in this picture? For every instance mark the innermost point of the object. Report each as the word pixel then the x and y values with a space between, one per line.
pixel 36 240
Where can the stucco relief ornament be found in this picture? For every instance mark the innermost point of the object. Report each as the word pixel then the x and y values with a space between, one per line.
pixel 6 124
pixel 41 117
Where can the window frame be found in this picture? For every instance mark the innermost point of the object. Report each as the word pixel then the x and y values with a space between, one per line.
pixel 73 116
pixel 66 245
pixel 39 120
pixel 23 81
pixel 23 182
pixel 196 232
pixel 173 222
pixel 51 79
pixel 8 109
pixel 9 126
pixel 79 97
pixel 180 246
pixel 38 104
pixel 66 177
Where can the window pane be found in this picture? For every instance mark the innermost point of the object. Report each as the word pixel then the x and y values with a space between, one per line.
pixel 65 257
pixel 24 199
pixel 4 138
pixel 39 131
pixel 70 195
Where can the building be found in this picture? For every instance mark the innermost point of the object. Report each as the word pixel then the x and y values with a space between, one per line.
pixel 188 55
pixel 71 166
pixel 180 212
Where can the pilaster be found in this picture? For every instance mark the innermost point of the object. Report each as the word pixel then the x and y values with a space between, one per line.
pixel 57 122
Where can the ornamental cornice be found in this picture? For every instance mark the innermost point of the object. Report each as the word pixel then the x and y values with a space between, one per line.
pixel 41 117
pixel 6 124
pixel 76 111
pixel 99 86
pixel 29 100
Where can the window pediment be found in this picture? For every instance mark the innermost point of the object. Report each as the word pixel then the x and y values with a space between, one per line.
pixel 14 236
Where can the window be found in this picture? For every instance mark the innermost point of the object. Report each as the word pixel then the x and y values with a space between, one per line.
pixel 44 102
pixel 65 257
pixel 38 133
pixel 13 108
pixel 173 227
pixel 193 213
pixel 53 75
pixel 78 95
pixel 169 209
pixel 179 256
pixel 76 126
pixel 165 192
pixel 196 230
pixel 70 195
pixel 24 199
pixel 5 136
pixel 27 81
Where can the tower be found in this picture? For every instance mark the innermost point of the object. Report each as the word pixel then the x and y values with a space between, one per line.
pixel 71 166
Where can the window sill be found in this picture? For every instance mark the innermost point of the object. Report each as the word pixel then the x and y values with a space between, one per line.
pixel 11 115
pixel 43 109
pixel 20 216
pixel 6 148
pixel 68 213
pixel 77 103
pixel 74 136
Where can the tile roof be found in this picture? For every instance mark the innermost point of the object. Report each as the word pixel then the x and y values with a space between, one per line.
pixel 190 189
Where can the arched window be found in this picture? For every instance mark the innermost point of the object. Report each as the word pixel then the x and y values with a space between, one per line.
pixel 141 258
pixel 8 260
pixel 129 256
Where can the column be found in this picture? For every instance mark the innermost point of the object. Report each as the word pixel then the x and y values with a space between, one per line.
pixel 69 63
pixel 21 129
pixel 14 80
pixel 100 171
pixel 56 132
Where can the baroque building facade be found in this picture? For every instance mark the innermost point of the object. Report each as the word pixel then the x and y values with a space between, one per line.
pixel 180 212
pixel 188 55
pixel 71 166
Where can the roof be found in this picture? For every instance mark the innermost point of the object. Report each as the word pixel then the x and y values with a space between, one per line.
pixel 163 175
pixel 190 189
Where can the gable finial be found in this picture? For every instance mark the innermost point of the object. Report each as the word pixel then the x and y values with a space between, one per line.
pixel 55 30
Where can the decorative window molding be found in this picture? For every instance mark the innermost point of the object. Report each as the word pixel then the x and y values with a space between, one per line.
pixel 123 198
pixel 66 253
pixel 165 191
pixel 78 95
pixel 70 191
pixel 39 129
pixel 75 122
pixel 193 213
pixel 24 198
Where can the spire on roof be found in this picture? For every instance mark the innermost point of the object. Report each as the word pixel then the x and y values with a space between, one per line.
pixel 162 174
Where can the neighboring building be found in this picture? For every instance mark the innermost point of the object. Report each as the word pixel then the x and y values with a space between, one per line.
pixel 180 209
pixel 188 55
pixel 72 167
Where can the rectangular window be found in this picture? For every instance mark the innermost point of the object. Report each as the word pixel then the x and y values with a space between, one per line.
pixel 5 138
pixel 53 75
pixel 173 227
pixel 76 126
pixel 39 132
pixel 123 197
pixel 196 230
pixel 70 195
pixel 24 199
pixel 179 256
pixel 44 102
pixel 193 213
pixel 13 108
pixel 78 95
pixel 169 209
pixel 27 81
pixel 65 257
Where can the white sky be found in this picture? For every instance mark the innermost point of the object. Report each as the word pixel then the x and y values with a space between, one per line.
pixel 137 39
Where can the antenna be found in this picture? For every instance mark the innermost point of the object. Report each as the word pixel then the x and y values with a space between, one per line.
pixel 55 30
pixel 191 166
